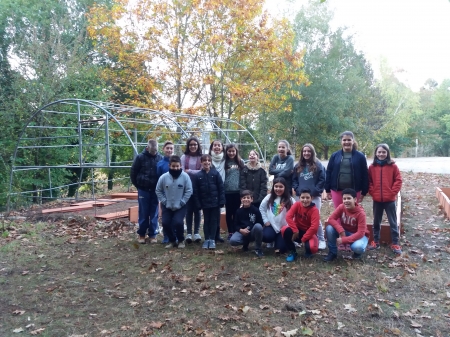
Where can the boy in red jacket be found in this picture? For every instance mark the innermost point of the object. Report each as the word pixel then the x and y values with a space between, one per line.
pixel 303 220
pixel 351 230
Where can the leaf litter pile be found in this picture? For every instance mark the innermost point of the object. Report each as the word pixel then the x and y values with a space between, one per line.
pixel 81 277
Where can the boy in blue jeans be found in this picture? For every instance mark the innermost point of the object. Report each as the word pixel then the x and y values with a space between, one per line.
pixel 248 225
pixel 347 226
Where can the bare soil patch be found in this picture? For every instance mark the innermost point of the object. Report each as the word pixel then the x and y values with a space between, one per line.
pixel 74 276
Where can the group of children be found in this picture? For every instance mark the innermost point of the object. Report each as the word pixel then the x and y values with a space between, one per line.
pixel 207 182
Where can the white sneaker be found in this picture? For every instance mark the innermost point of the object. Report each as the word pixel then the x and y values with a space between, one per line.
pixel 181 244
pixel 197 238
pixel 189 238
pixel 322 245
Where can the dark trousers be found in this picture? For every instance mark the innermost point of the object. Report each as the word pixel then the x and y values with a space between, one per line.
pixel 391 212
pixel 148 208
pixel 211 216
pixel 269 236
pixel 233 202
pixel 172 222
pixel 193 214
pixel 290 244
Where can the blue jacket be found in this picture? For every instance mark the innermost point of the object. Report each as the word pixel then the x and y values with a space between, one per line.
pixel 314 181
pixel 162 167
pixel 359 170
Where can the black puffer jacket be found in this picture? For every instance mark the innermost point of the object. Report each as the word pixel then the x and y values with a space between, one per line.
pixel 208 189
pixel 255 180
pixel 143 171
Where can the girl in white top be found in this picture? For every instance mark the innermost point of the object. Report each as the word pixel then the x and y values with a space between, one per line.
pixel 217 153
pixel 273 210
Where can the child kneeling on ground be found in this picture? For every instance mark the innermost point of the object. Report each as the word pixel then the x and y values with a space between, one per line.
pixel 248 225
pixel 303 221
pixel 347 226
pixel 174 189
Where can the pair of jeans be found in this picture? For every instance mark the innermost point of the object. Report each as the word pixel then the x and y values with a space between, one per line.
pixel 148 213
pixel 256 234
pixel 193 214
pixel 391 212
pixel 269 236
pixel 211 216
pixel 172 221
pixel 288 233
pixel 358 247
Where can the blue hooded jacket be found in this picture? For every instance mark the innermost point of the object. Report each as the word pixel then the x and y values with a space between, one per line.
pixel 359 171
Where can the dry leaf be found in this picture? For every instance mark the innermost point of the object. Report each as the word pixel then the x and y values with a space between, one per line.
pixel 396 331
pixel 349 308
pixel 156 325
pixel 340 325
pixel 134 304
pixel 244 309
pixel 18 312
pixel 37 331
pixel 18 330
pixel 289 333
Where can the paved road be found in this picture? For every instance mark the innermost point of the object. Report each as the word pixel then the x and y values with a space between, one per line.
pixel 423 164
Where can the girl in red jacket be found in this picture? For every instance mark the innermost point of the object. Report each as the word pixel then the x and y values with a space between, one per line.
pixel 385 182
pixel 303 221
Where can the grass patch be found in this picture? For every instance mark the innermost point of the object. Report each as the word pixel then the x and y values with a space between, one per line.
pixel 78 277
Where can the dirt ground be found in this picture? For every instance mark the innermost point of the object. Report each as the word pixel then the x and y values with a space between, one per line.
pixel 70 275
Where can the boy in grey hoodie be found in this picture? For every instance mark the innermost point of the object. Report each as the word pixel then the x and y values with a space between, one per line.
pixel 173 190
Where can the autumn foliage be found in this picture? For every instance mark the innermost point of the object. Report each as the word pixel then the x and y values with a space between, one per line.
pixel 223 58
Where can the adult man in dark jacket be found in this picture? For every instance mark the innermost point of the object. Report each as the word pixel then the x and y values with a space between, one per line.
pixel 144 176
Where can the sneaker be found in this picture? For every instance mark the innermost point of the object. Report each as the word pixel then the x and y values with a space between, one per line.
pixel 270 245
pixel 171 245
pixel 259 253
pixel 330 257
pixel 308 255
pixel 189 238
pixel 153 240
pixel 229 236
pixel 141 240
pixel 322 245
pixel 291 257
pixel 212 244
pixel 205 244
pixel 219 239
pixel 356 256
pixel 165 240
pixel 396 249
pixel 197 238
pixel 181 244
pixel 373 245
pixel 245 248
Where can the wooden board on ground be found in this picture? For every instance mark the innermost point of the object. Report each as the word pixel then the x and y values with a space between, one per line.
pixel 66 209
pixel 98 202
pixel 385 230
pixel 111 216
pixel 128 196
pixel 133 214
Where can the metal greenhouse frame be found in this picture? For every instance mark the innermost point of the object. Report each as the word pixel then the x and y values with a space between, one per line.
pixel 65 143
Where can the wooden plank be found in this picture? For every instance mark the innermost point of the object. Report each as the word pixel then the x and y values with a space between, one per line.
pixel 128 196
pixel 438 191
pixel 133 214
pixel 98 202
pixel 66 209
pixel 111 216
